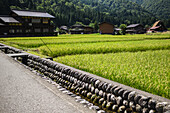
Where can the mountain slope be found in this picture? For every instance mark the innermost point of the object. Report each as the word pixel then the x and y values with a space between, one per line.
pixel 160 8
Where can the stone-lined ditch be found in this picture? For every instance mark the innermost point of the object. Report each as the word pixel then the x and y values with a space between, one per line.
pixel 94 92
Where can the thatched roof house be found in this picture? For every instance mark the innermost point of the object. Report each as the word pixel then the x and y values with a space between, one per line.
pixel 158 26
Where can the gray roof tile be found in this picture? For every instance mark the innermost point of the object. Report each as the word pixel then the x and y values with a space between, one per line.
pixel 9 19
pixel 132 25
pixel 32 13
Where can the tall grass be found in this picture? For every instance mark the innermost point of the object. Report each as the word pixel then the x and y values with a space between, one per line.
pixel 33 42
pixel 148 71
pixel 104 47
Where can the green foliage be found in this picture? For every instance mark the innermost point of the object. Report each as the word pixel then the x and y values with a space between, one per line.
pixel 157 7
pixel 123 29
pixel 96 26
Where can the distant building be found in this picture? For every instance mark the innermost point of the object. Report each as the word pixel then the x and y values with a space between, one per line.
pixel 64 30
pixel 158 27
pixel 77 29
pixel 106 28
pixel 26 23
pixel 88 30
pixel 135 29
pixel 117 31
pixel 81 29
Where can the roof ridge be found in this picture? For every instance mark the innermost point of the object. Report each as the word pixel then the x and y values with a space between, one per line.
pixel 28 10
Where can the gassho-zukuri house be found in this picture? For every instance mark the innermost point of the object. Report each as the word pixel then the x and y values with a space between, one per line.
pixel 26 23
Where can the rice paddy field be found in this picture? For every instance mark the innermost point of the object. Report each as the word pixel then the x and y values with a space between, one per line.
pixel 139 61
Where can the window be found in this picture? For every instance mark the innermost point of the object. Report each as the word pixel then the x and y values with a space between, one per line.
pixel 37 30
pixel 19 30
pixel 36 20
pixel 45 21
pixel 28 30
pixel 26 19
pixel 45 30
pixel 11 31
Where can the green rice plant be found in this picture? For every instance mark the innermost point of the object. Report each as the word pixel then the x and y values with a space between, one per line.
pixel 104 47
pixel 148 71
pixel 33 42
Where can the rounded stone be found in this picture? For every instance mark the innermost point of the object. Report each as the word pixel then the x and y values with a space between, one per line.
pixel 113 99
pixel 86 86
pixel 144 101
pixel 72 73
pixel 89 95
pixel 94 81
pixel 96 91
pixel 97 83
pixel 81 76
pixel 120 92
pixel 104 104
pixel 138 108
pixel 152 104
pixel 159 107
pixel 119 101
pixel 101 93
pixel 115 108
pixel 85 93
pixel 96 100
pixel 104 95
pixel 109 105
pixel 104 86
pixel 137 98
pixel 131 104
pixel 113 88
pixel 108 97
pixel 93 97
pixel 131 96
pixel 101 101
pixel 89 87
pixel 84 78
pixel 89 80
pixel 128 110
pixel 152 111
pixel 126 103
pixel 121 109
pixel 75 81
pixel 108 88
pixel 116 91
pixel 145 110
pixel 100 85
pixel 92 89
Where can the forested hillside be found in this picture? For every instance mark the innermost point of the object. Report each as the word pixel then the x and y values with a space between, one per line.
pixel 159 8
pixel 67 12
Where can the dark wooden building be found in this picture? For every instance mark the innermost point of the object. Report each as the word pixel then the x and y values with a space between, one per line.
pixel 135 29
pixel 106 28
pixel 88 30
pixel 158 27
pixel 77 29
pixel 26 23
pixel 81 29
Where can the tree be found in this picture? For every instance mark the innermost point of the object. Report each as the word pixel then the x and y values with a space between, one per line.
pixel 96 26
pixel 123 29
